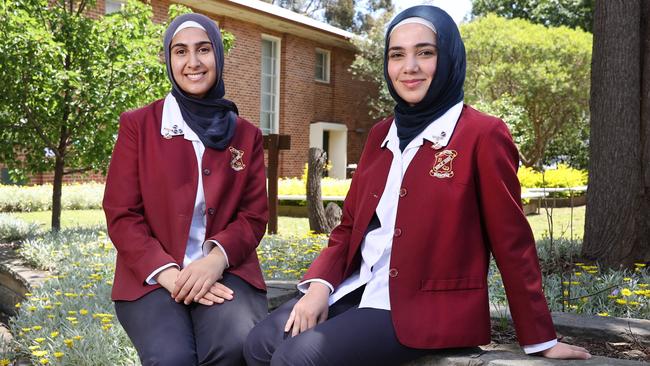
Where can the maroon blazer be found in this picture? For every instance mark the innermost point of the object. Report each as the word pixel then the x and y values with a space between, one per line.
pixel 446 227
pixel 150 193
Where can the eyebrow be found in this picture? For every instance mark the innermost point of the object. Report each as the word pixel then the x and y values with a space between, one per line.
pixel 419 45
pixel 196 44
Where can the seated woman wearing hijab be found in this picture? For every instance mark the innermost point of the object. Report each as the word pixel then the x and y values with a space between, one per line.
pixel 435 192
pixel 186 207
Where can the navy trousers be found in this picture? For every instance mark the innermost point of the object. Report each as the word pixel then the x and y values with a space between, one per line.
pixel 350 336
pixel 168 333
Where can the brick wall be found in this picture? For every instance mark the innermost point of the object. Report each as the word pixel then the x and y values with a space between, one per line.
pixel 302 99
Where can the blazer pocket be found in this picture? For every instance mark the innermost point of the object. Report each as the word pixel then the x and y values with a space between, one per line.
pixel 452 284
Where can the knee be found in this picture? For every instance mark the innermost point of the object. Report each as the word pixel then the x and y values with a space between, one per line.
pixel 228 350
pixel 169 356
pixel 258 347
pixel 296 352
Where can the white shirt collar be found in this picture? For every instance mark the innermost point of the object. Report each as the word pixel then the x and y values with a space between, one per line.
pixel 173 123
pixel 439 131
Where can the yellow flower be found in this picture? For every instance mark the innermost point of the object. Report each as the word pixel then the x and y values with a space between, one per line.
pixel 39 353
pixel 37 327
pixel 54 334
pixel 32 308
pixel 34 348
pixel 580 264
pixel 58 293
pixel 18 305
pixel 58 354
pixel 603 314
pixel 627 279
pixel 50 316
pixel 47 307
pixel 83 312
pixel 68 342
pixel 77 337
pixel 573 307
pixel 39 339
pixel 566 293
pixel 106 320
pixel 634 303
pixel 578 274
pixel 28 294
pixel 26 329
pixel 5 362
pixel 43 361
pixel 584 299
pixel 58 303
pixel 621 301
pixel 71 318
pixel 626 292
pixel 107 326
pixel 639 292
pixel 639 265
pixel 71 312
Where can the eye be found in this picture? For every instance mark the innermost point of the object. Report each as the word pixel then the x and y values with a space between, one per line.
pixel 205 49
pixel 395 55
pixel 428 52
pixel 179 51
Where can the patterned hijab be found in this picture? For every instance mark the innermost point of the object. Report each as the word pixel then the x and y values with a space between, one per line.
pixel 446 88
pixel 212 117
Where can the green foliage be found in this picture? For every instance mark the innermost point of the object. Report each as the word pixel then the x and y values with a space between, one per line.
pixel 287 257
pixel 368 66
pixel 537 79
pixel 569 13
pixel 14 229
pixel 39 198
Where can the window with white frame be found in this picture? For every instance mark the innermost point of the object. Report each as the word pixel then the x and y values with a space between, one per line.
pixel 113 6
pixel 270 85
pixel 322 68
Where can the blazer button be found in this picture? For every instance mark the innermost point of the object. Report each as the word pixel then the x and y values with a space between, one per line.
pixel 402 192
pixel 206 171
pixel 393 272
pixel 397 232
pixel 211 211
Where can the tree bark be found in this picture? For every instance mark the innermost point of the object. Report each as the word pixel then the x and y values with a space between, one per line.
pixel 617 222
pixel 315 168
pixel 57 186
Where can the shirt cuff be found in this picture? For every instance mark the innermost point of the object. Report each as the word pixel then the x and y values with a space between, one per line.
pixel 150 280
pixel 304 285
pixel 539 347
pixel 210 244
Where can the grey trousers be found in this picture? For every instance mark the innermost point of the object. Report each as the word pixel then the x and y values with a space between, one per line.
pixel 350 336
pixel 168 333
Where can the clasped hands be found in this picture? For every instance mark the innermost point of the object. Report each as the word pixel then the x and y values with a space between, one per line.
pixel 198 281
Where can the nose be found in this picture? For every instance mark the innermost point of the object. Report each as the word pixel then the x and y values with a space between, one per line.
pixel 194 60
pixel 411 64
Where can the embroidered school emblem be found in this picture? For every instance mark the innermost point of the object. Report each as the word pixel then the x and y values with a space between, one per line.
pixel 442 167
pixel 236 162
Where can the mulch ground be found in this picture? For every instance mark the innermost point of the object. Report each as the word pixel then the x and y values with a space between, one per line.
pixel 623 350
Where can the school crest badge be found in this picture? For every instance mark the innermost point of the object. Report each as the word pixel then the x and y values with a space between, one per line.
pixel 442 167
pixel 236 161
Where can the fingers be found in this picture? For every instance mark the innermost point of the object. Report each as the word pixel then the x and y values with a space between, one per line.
pixel 292 316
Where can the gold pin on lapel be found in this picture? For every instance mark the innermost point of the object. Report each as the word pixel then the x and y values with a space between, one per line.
pixel 236 162
pixel 442 167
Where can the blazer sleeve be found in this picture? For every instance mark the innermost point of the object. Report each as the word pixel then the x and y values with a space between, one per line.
pixel 124 209
pixel 510 236
pixel 243 234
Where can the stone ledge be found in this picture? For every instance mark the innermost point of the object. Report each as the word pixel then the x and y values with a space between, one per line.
pixel 507 355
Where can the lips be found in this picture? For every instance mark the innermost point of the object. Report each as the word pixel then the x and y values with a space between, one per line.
pixel 413 83
pixel 195 76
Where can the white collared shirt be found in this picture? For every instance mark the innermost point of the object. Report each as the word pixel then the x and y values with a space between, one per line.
pixel 377 244
pixel 174 125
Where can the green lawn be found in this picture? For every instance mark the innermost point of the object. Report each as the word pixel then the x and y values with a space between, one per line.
pixel 299 226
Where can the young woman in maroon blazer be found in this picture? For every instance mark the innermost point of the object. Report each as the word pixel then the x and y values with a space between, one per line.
pixel 186 207
pixel 435 192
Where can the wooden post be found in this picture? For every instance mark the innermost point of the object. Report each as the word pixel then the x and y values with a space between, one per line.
pixel 273 144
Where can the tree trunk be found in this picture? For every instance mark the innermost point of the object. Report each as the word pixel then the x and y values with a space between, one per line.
pixel 617 223
pixel 315 168
pixel 57 186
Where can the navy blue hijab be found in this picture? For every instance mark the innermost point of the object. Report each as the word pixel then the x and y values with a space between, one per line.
pixel 212 117
pixel 446 88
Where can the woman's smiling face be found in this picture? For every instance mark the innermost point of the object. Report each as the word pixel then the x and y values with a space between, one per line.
pixel 192 61
pixel 412 60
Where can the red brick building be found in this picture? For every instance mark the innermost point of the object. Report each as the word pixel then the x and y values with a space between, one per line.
pixel 288 74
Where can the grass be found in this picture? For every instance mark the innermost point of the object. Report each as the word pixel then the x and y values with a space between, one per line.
pixel 300 226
